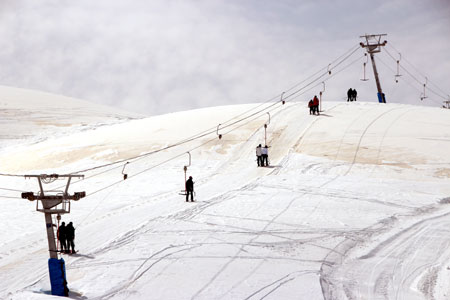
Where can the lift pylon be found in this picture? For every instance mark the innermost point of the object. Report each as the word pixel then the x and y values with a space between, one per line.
pixel 373 45
pixel 50 203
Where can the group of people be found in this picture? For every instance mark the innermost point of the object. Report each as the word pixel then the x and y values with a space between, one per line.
pixel 66 236
pixel 313 105
pixel 351 95
pixel 262 156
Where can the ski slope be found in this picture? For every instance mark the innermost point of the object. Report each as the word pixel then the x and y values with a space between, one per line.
pixel 28 116
pixel 354 206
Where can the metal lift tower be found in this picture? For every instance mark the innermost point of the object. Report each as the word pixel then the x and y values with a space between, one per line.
pixel 373 45
pixel 50 203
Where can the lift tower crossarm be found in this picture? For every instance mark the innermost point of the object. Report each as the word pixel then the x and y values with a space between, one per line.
pixel 53 203
pixel 372 48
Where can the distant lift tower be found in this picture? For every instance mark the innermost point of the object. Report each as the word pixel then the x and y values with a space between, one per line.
pixel 373 45
pixel 50 203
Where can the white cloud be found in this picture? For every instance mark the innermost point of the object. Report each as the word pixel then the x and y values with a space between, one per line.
pixel 160 56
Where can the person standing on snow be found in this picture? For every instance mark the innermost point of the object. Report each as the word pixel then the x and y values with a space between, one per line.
pixel 258 155
pixel 265 156
pixel 189 189
pixel 349 94
pixel 311 107
pixel 316 104
pixel 354 94
pixel 62 237
pixel 70 236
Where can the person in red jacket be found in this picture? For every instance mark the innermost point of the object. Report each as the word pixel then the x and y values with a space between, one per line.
pixel 316 104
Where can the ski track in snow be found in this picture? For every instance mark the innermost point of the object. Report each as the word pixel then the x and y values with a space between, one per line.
pixel 391 267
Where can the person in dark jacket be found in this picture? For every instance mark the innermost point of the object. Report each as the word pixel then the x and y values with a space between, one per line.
pixel 349 94
pixel 354 94
pixel 311 107
pixel 265 156
pixel 189 189
pixel 70 236
pixel 62 237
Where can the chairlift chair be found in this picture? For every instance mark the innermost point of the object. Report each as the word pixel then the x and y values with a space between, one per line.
pixel 184 192
pixel 125 175
pixel 398 69
pixel 364 68
pixel 424 87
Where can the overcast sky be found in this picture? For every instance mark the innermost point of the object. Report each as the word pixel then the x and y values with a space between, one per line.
pixel 159 56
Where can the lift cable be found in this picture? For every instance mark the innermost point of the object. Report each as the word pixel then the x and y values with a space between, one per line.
pixel 190 150
pixel 331 76
pixel 173 157
pixel 255 115
pixel 353 48
pixel 415 78
pixel 133 159
pixel 12 190
pixel 204 133
pixel 152 167
pixel 9 197
pixel 11 175
pixel 224 125
pixel 417 70
pixel 405 79
pixel 323 74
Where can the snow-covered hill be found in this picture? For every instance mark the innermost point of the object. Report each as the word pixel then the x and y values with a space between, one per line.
pixel 31 116
pixel 354 206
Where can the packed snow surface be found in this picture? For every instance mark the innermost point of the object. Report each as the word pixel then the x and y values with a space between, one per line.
pixel 354 205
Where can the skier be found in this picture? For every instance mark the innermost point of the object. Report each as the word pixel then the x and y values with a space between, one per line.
pixel 265 156
pixel 311 107
pixel 349 94
pixel 62 237
pixel 258 155
pixel 189 189
pixel 70 236
pixel 316 104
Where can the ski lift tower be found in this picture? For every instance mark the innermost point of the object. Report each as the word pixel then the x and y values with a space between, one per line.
pixel 373 45
pixel 54 203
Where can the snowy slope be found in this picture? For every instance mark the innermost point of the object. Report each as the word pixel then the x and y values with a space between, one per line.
pixel 354 206
pixel 31 116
